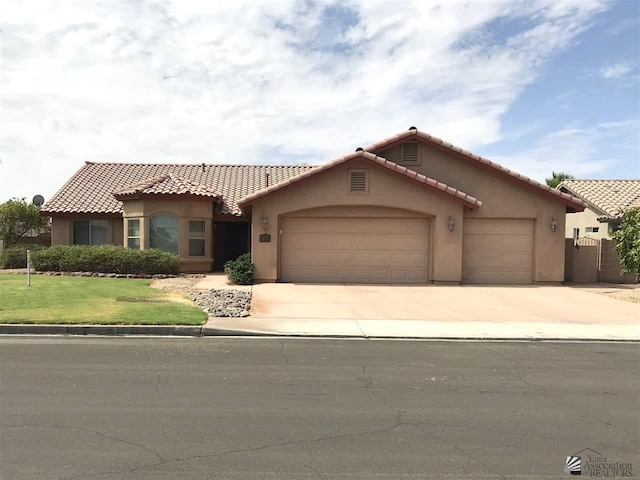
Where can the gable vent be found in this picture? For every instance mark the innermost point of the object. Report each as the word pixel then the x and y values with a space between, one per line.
pixel 409 153
pixel 358 181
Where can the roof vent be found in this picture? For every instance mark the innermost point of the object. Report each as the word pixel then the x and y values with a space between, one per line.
pixel 413 128
pixel 359 149
pixel 410 154
pixel 358 181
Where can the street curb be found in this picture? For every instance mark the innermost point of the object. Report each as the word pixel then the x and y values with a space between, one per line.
pixel 224 332
pixel 202 331
pixel 107 330
pixel 246 333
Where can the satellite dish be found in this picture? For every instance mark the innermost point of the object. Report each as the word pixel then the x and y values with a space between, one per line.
pixel 38 200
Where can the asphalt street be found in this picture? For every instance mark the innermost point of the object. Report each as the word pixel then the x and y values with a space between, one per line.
pixel 268 408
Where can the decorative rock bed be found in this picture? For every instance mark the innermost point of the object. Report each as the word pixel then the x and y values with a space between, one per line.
pixel 105 275
pixel 223 303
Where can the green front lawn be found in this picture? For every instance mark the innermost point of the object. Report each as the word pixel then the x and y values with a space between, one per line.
pixel 104 301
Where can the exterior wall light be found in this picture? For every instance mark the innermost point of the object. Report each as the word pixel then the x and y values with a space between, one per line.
pixel 553 224
pixel 451 223
pixel 265 223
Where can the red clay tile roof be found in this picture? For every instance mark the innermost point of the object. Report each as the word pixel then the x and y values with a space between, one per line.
pixel 414 134
pixel 608 196
pixel 167 184
pixel 461 196
pixel 90 189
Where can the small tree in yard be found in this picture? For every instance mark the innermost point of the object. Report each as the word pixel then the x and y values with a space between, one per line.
pixel 17 218
pixel 627 239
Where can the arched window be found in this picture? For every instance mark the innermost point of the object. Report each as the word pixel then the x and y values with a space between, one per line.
pixel 164 233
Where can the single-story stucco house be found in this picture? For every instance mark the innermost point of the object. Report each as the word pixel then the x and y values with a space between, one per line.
pixel 604 200
pixel 409 209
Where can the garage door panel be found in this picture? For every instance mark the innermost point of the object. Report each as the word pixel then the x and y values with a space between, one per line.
pixel 480 276
pixel 417 242
pixel 372 275
pixel 371 250
pixel 381 259
pixel 416 259
pixel 497 251
pixel 344 276
pixel 498 262
pixel 382 242
pixel 495 244
pixel 408 276
pixel 408 242
pixel 498 226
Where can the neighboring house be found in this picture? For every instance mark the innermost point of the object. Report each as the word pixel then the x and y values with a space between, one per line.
pixel 409 209
pixel 604 199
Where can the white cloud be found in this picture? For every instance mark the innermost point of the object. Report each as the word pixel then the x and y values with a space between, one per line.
pixel 581 152
pixel 234 82
pixel 616 70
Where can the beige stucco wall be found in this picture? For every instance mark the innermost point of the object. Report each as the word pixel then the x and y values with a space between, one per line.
pixel 185 210
pixel 60 231
pixel 115 232
pixel 501 197
pixel 582 220
pixel 389 194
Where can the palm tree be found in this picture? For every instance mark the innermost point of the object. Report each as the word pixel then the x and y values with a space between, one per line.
pixel 557 177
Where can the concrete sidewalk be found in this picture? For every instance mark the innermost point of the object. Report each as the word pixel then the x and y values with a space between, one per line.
pixel 427 329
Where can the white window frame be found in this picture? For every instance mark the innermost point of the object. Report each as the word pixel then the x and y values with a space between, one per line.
pixel 133 237
pixel 198 236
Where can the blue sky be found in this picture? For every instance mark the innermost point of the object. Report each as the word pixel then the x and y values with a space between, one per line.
pixel 535 85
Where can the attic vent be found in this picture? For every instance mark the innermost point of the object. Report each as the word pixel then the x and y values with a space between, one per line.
pixel 409 153
pixel 358 181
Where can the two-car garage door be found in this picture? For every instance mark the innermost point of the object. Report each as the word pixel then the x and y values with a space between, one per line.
pixel 395 250
pixel 354 250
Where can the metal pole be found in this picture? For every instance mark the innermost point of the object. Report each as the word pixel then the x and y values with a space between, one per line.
pixel 28 268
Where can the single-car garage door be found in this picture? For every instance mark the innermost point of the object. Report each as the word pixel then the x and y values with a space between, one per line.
pixel 497 251
pixel 354 250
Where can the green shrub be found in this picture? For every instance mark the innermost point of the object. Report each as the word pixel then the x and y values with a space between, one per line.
pixel 105 259
pixel 16 256
pixel 240 270
pixel 627 238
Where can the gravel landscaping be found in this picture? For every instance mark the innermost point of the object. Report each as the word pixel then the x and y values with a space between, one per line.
pixel 223 303
pixel 624 292
pixel 228 301
pixel 183 284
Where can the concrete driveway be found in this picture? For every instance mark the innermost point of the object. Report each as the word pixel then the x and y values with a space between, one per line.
pixel 440 303
pixel 429 311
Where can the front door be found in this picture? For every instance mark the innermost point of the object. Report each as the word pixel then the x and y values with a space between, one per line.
pixel 231 239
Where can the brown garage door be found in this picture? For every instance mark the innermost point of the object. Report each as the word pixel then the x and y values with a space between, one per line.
pixel 354 250
pixel 497 251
